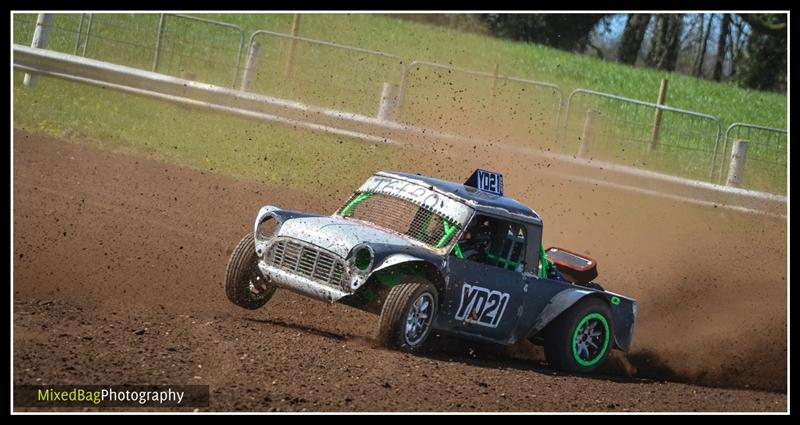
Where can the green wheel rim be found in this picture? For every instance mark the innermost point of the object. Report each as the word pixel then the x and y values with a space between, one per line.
pixel 584 337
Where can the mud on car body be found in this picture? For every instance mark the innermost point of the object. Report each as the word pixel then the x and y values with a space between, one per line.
pixel 431 255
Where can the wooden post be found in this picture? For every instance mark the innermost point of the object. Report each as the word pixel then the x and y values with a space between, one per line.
pixel 159 42
pixel 41 36
pixel 738 159
pixel 588 131
pixel 287 69
pixel 662 99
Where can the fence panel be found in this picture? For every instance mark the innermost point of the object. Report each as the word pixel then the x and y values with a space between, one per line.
pixel 24 25
pixel 766 166
pixel 319 73
pixel 481 104
pixel 188 47
pixel 199 49
pixel 124 39
pixel 626 131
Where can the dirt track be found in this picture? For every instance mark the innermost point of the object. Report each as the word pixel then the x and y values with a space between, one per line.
pixel 118 264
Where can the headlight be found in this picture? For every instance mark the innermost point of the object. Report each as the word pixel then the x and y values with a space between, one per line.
pixel 362 258
pixel 267 227
pixel 267 222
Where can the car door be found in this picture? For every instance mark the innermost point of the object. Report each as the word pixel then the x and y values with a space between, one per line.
pixel 482 301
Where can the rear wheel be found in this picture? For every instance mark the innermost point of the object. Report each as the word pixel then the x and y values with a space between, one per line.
pixel 580 339
pixel 244 284
pixel 407 315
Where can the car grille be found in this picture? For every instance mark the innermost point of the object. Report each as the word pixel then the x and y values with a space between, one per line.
pixel 308 261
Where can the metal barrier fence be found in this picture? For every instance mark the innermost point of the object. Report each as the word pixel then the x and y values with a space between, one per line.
pixel 440 97
pixel 629 131
pixel 765 165
pixel 130 80
pixel 497 107
pixel 318 72
pixel 179 45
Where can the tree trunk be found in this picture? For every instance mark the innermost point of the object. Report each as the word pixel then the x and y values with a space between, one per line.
pixel 721 46
pixel 737 43
pixel 632 37
pixel 666 42
pixel 698 38
pixel 672 45
pixel 701 54
pixel 657 41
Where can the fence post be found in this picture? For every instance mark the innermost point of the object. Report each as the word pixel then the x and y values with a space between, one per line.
pixel 80 28
pixel 738 160
pixel 250 66
pixel 662 98
pixel 41 35
pixel 588 131
pixel 88 33
pixel 287 69
pixel 389 102
pixel 159 42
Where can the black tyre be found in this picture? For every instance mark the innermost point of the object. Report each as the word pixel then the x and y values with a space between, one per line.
pixel 408 314
pixel 244 284
pixel 580 339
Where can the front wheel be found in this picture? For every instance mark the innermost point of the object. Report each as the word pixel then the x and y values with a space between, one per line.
pixel 244 284
pixel 407 315
pixel 579 340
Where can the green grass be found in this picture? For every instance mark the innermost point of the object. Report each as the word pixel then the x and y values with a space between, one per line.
pixel 415 41
pixel 509 113
pixel 200 139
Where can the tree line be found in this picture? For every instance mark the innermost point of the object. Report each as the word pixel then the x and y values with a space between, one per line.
pixel 748 49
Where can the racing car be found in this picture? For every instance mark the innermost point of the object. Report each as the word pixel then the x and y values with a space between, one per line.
pixel 429 255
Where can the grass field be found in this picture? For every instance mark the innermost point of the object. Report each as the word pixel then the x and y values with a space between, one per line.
pixel 438 99
pixel 200 139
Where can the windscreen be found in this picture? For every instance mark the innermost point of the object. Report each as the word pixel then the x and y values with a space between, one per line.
pixel 401 216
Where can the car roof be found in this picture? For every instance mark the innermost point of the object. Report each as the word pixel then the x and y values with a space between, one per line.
pixel 482 201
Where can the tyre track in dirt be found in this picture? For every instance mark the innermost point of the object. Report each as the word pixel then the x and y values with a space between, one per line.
pixel 118 263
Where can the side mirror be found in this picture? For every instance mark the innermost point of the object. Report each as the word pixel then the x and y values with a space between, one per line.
pixel 576 268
